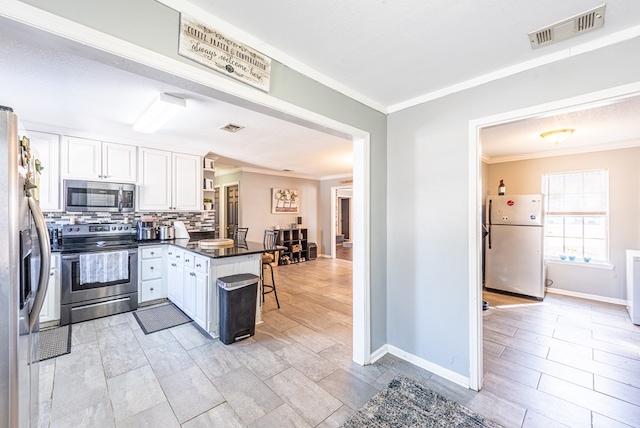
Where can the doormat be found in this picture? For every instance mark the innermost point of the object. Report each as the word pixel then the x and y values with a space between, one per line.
pixel 54 342
pixel 404 403
pixel 160 318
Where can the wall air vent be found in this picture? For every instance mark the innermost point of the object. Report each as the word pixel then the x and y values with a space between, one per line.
pixel 230 127
pixel 571 27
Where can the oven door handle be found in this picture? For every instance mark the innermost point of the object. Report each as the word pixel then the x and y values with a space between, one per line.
pixel 45 259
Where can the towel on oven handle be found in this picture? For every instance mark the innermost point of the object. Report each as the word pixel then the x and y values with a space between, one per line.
pixel 104 267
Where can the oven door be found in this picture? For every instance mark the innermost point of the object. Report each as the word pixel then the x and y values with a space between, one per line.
pixel 98 196
pixel 81 300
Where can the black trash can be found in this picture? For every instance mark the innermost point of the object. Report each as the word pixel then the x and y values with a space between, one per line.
pixel 237 306
pixel 312 251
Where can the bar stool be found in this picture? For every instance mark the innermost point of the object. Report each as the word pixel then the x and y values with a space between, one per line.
pixel 240 234
pixel 270 238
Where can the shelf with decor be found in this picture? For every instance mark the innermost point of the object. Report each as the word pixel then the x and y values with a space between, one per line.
pixel 208 182
pixel 295 240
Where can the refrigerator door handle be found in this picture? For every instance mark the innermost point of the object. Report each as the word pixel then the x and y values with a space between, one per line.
pixel 45 259
pixel 489 227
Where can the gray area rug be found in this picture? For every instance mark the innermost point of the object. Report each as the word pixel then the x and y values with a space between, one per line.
pixel 54 342
pixel 160 317
pixel 404 403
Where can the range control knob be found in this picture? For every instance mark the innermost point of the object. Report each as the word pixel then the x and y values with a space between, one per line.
pixel 119 227
pixel 77 229
pixel 126 228
pixel 70 229
pixel 113 228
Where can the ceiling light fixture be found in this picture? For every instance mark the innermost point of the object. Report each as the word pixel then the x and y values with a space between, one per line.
pixel 160 112
pixel 557 136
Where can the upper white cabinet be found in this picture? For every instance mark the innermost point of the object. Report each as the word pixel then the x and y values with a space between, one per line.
pixel 46 148
pixel 86 159
pixel 169 181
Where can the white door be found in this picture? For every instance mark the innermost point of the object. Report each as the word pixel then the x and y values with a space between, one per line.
pixel 154 193
pixel 81 159
pixel 119 162
pixel 200 299
pixel 46 148
pixel 187 182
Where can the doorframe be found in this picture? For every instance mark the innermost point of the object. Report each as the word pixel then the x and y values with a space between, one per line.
pixel 223 205
pixel 334 213
pixel 580 102
pixel 105 48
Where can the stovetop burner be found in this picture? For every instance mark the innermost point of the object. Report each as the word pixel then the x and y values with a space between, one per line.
pixel 97 237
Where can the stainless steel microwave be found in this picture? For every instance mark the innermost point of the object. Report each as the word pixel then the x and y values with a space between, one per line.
pixel 82 196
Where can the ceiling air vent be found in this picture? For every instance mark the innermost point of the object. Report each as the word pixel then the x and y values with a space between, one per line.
pixel 230 127
pixel 571 27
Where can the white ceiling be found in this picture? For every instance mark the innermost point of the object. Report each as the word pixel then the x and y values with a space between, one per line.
pixel 385 53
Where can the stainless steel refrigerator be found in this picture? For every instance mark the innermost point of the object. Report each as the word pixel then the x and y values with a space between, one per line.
pixel 514 259
pixel 24 275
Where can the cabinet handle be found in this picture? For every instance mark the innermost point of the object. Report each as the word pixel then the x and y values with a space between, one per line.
pixel 151 267
pixel 192 273
pixel 152 253
pixel 173 264
pixel 186 260
pixel 177 257
pixel 198 265
pixel 151 289
pixel 51 273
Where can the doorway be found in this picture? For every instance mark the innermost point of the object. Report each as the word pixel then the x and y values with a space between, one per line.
pixel 475 202
pixel 232 198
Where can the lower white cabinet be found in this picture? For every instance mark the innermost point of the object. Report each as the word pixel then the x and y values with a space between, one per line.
pixel 195 284
pixel 175 289
pixel 50 312
pixel 151 285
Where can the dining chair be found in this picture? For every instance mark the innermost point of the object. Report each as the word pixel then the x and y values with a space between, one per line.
pixel 268 257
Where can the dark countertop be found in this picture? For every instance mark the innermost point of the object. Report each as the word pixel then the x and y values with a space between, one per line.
pixel 192 244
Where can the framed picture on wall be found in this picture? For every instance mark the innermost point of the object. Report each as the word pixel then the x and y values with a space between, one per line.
pixel 285 201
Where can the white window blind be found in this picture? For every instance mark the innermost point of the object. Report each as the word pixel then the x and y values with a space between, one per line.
pixel 577 219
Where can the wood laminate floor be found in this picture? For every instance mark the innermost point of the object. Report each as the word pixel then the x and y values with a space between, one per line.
pixel 563 362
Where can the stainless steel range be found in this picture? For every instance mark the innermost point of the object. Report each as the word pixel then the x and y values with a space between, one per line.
pixel 99 271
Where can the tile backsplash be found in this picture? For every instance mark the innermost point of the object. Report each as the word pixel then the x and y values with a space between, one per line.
pixel 194 221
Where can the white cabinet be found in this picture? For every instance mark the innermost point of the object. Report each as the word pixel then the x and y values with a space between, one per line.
pixel 86 159
pixel 188 284
pixel 50 312
pixel 175 289
pixel 150 273
pixel 46 148
pixel 169 181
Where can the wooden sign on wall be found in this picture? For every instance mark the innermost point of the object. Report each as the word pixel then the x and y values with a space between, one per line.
pixel 209 47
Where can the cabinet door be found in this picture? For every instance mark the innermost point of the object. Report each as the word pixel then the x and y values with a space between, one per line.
pixel 119 162
pixel 154 193
pixel 46 148
pixel 175 285
pixel 189 302
pixel 51 307
pixel 81 158
pixel 200 299
pixel 187 183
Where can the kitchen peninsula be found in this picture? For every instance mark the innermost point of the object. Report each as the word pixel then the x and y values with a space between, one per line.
pixel 185 272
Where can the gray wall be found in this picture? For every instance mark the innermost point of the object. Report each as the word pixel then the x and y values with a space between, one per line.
pixel 154 26
pixel 427 204
pixel 624 208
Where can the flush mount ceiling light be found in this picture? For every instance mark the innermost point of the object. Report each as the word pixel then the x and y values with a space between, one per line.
pixel 160 112
pixel 557 136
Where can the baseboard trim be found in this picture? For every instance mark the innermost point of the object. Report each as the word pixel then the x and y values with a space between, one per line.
pixel 587 296
pixel 420 362
pixel 378 353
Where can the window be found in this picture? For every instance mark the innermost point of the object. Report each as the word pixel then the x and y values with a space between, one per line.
pixel 577 218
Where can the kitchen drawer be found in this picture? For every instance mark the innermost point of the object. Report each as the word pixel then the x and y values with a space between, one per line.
pixel 151 290
pixel 178 255
pixel 171 252
pixel 151 252
pixel 150 269
pixel 201 264
pixel 189 259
